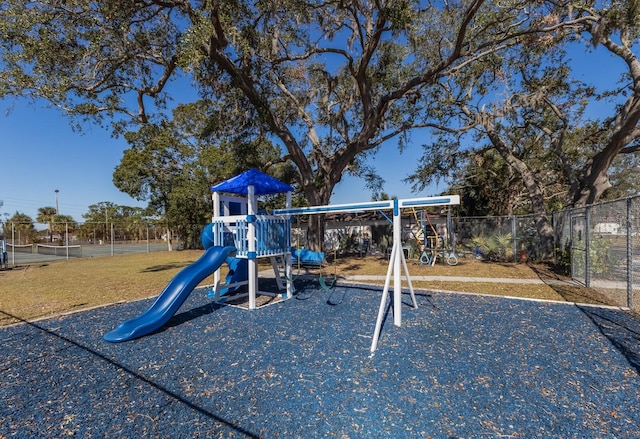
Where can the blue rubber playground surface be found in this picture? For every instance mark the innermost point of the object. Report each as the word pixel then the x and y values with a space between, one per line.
pixel 461 366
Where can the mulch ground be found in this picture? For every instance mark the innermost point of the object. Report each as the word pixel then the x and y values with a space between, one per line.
pixel 461 366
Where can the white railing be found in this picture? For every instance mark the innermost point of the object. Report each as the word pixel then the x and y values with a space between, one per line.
pixel 273 234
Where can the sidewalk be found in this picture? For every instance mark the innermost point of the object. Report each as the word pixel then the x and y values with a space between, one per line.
pixel 308 274
pixel 364 277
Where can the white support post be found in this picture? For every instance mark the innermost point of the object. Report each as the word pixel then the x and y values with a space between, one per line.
pixel 216 204
pixel 409 283
pixel 397 281
pixel 287 253
pixel 251 237
pixel 383 299
pixel 216 214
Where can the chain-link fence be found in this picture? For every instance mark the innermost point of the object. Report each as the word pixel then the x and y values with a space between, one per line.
pixel 598 246
pixel 504 238
pixel 29 242
pixel 491 238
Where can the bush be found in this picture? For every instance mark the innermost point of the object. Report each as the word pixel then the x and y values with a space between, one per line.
pixel 496 247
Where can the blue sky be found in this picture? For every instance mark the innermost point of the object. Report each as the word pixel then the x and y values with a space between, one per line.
pixel 41 153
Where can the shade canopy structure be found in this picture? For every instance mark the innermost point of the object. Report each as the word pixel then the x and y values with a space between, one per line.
pixel 263 184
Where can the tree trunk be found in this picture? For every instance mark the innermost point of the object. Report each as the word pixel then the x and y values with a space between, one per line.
pixel 169 243
pixel 315 232
pixel 317 222
pixel 594 181
pixel 589 188
pixel 591 191
pixel 535 190
pixel 318 186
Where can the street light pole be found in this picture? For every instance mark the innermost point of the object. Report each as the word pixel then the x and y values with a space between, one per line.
pixel 57 210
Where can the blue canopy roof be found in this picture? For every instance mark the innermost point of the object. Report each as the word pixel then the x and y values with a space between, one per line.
pixel 263 184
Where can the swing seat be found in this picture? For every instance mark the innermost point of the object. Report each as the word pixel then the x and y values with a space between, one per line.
pixel 325 286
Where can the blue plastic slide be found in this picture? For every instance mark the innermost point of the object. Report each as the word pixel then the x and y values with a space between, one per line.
pixel 172 297
pixel 238 272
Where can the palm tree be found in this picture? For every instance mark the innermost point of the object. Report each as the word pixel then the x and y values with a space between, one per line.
pixel 47 215
pixel 23 225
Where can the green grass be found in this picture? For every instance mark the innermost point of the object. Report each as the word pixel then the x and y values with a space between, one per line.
pixel 40 290
pixel 30 292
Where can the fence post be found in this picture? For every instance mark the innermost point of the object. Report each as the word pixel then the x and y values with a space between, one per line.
pixel 587 247
pixel 629 256
pixel 13 243
pixel 147 227
pixel 515 240
pixel 554 222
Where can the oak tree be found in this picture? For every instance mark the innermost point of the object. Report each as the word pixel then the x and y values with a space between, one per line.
pixel 332 82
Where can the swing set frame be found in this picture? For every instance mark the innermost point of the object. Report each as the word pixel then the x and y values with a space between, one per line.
pixel 397 262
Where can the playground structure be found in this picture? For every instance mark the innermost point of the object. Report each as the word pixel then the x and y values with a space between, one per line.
pixel 239 236
pixel 236 222
pixel 434 240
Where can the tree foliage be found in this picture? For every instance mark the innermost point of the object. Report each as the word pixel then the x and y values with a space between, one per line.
pixel 21 228
pixel 47 215
pixel 63 226
pixel 331 82
pixel 100 216
pixel 528 108
pixel 173 164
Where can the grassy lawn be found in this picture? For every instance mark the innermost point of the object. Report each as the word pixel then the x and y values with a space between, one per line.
pixel 465 268
pixel 39 290
pixel 33 291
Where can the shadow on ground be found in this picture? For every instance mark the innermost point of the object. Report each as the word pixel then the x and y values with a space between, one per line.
pixel 570 290
pixel 164 267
